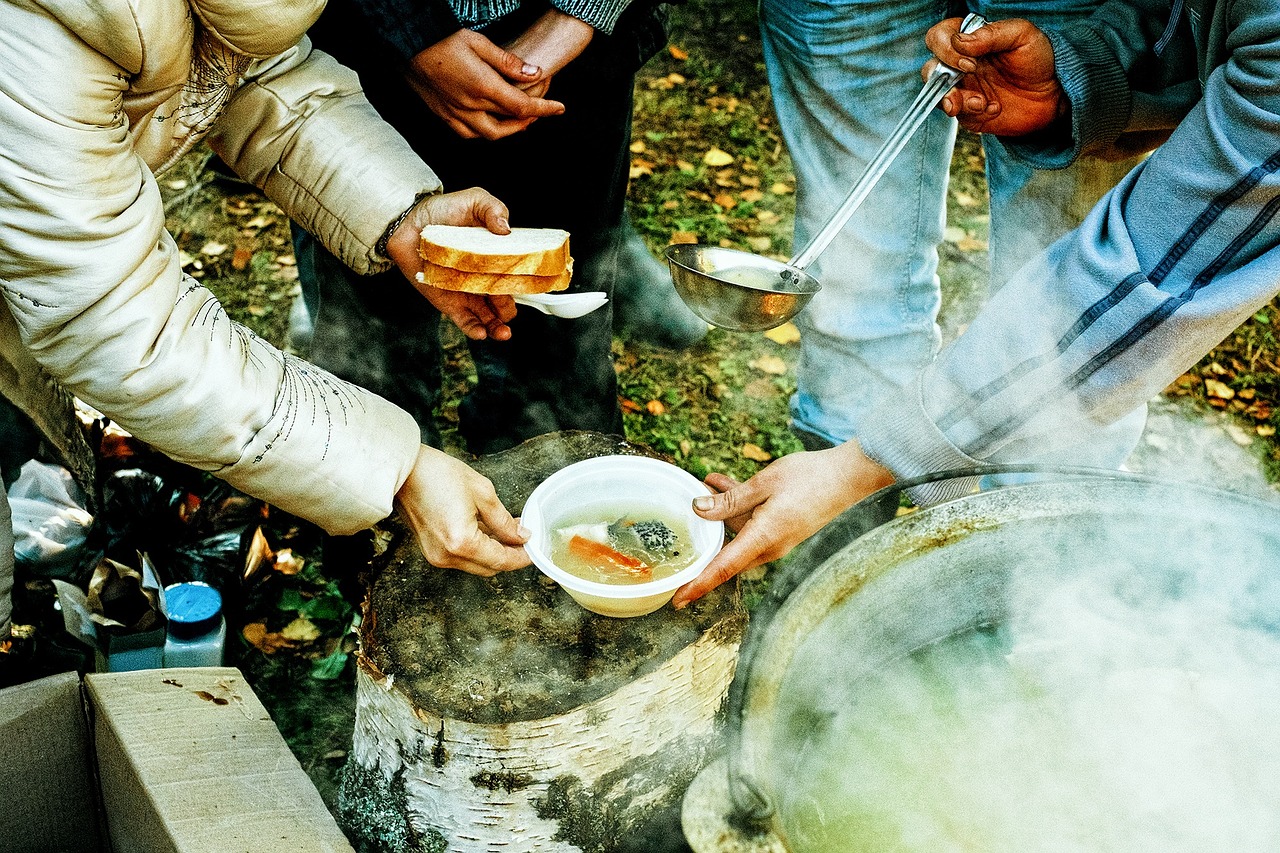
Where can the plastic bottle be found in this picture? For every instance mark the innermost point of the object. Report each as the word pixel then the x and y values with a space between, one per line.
pixel 197 629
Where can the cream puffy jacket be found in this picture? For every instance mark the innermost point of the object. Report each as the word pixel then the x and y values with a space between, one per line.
pixel 97 97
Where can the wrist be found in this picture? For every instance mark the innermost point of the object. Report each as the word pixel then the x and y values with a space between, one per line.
pixel 403 232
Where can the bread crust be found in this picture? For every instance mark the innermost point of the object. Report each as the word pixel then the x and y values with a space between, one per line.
pixel 448 278
pixel 550 261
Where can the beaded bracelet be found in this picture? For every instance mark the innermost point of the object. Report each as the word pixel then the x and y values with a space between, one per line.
pixel 380 247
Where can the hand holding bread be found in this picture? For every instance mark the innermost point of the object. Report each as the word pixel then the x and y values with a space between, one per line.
pixel 478 315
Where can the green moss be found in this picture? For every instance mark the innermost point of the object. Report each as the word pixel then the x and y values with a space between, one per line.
pixel 374 813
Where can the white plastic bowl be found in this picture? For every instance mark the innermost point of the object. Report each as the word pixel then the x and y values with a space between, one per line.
pixel 610 481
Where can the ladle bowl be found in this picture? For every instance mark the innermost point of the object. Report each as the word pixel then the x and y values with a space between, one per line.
pixel 737 290
pixel 742 292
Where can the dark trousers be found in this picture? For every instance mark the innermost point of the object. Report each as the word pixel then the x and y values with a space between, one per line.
pixel 567 171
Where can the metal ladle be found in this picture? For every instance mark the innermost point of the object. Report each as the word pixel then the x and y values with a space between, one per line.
pixel 745 292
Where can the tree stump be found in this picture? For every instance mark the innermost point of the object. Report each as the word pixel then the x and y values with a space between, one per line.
pixel 495 714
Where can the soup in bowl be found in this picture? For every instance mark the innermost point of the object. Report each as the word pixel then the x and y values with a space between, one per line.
pixel 619 534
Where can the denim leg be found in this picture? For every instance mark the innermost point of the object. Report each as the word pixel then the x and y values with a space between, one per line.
pixel 843 73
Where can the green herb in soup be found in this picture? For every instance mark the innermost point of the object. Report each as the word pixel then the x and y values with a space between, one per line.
pixel 619 545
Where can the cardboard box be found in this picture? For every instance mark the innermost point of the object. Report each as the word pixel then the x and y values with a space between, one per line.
pixel 153 761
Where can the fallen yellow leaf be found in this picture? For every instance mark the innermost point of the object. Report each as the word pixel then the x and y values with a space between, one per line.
pixel 726 200
pixel 781 189
pixel 675 79
pixel 685 166
pixel 1221 390
pixel 770 364
pixel 751 195
pixel 760 244
pixel 301 630
pixel 677 53
pixel 655 407
pixel 637 147
pixel 288 563
pixel 787 333
pixel 756 453
pixel 683 237
pixel 716 157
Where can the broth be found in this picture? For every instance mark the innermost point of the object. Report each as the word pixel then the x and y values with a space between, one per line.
pixel 976 744
pixel 621 544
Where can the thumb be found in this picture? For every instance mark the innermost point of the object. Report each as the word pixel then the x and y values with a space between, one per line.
pixel 508 64
pixel 488 210
pixel 733 500
pixel 992 37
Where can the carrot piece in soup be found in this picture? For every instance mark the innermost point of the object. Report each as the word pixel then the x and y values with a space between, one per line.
pixel 606 559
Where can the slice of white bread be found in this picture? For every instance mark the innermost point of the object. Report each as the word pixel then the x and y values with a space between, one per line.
pixel 525 251
pixel 448 278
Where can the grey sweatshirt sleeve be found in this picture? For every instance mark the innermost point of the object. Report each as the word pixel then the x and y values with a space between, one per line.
pixel 1181 252
pixel 1115 82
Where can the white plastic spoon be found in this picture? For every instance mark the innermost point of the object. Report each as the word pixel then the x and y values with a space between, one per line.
pixel 566 305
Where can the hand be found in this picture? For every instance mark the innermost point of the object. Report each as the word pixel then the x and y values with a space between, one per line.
pixel 477 315
pixel 1009 87
pixel 458 519
pixel 780 507
pixel 476 87
pixel 552 42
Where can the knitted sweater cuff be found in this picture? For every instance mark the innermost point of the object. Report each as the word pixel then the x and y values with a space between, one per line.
pixel 900 435
pixel 1094 83
pixel 600 14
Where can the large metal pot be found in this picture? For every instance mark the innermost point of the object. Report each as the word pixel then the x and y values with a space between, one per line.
pixel 847 609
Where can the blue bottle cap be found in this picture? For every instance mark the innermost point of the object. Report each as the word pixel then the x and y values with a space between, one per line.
pixel 194 607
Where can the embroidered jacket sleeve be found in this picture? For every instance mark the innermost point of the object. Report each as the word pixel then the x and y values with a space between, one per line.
pixel 92 283
pixel 1169 263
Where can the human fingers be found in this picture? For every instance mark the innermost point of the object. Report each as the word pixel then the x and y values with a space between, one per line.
pixel 991 38
pixel 472 206
pixel 503 306
pixel 938 39
pixel 478 554
pixel 507 93
pixel 493 126
pixel 730 500
pixel 750 548
pixel 470 312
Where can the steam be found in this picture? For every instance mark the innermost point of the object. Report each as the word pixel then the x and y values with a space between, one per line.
pixel 1128 702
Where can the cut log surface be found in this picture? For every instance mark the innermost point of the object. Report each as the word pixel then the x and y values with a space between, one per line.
pixel 495 714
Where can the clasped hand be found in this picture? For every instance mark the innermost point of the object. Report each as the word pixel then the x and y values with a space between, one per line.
pixel 480 89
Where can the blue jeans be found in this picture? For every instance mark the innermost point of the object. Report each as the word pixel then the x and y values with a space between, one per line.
pixel 843 72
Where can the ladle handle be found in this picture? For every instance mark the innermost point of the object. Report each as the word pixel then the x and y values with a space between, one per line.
pixel 940 81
